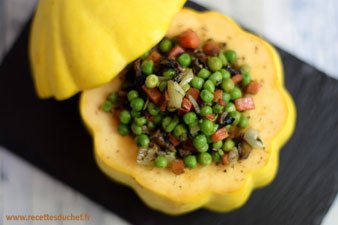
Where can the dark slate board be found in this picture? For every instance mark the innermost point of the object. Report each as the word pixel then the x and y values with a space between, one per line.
pixel 51 135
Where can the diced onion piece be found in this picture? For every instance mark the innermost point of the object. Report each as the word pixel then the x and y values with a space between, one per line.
pixel 175 95
pixel 251 136
pixel 194 103
pixel 146 156
pixel 146 104
pixel 188 76
pixel 162 78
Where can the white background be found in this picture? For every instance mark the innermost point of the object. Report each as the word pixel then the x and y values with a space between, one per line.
pixel 306 28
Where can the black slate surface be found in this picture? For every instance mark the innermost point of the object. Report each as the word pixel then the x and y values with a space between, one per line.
pixel 51 135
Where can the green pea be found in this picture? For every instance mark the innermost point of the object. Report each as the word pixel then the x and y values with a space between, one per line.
pixel 137 104
pixel 206 96
pixel 226 97
pixel 153 109
pixel 216 77
pixel 151 124
pixel 216 157
pixel 145 55
pixel 220 152
pixel 190 161
pixel 135 114
pixel 132 94
pixel 194 128
pixel 246 79
pixel 147 67
pixel 207 127
pixel 169 72
pixel 204 148
pixel 236 93
pixel 204 158
pixel 228 126
pixel 184 59
pixel 197 82
pixel 205 110
pixel 107 106
pixel 203 73
pixel 245 68
pixel 217 108
pixel 209 85
pixel 123 129
pixel 209 140
pixel 223 59
pixel 236 115
pixel 165 45
pixel 225 74
pixel 243 122
pixel 125 116
pixel 215 127
pixel 189 118
pixel 143 140
pixel 151 81
pixel 169 124
pixel 199 141
pixel 162 86
pixel 230 107
pixel 227 85
pixel 228 145
pixel 137 130
pixel 217 145
pixel 140 121
pixel 158 119
pixel 231 56
pixel 161 162
pixel 179 130
pixel 214 63
pixel 113 97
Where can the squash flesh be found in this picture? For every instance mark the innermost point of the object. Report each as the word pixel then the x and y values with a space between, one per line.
pixel 209 186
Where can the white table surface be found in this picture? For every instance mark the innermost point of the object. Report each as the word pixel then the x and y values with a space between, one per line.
pixel 305 28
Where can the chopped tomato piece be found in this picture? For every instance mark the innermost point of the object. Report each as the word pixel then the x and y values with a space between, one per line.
pixel 186 105
pixel 194 92
pixel 225 158
pixel 188 145
pixel 188 39
pixel 177 167
pixel 175 51
pixel 173 140
pixel 253 87
pixel 220 134
pixel 153 94
pixel 165 102
pixel 218 95
pixel 211 48
pixel 237 78
pixel 244 103
pixel 155 56
pixel 210 117
pixel 222 103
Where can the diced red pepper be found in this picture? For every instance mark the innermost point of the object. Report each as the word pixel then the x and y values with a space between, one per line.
pixel 226 158
pixel 189 145
pixel 218 94
pixel 153 94
pixel 173 140
pixel 210 117
pixel 194 92
pixel 155 56
pixel 253 87
pixel 186 105
pixel 177 167
pixel 181 112
pixel 175 51
pixel 237 78
pixel 222 103
pixel 165 102
pixel 220 134
pixel 244 103
pixel 211 48
pixel 188 39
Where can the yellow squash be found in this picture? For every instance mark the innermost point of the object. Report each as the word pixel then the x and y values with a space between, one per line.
pixel 81 44
pixel 220 188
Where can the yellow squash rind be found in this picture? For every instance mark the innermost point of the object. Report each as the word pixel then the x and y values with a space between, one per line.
pixel 82 44
pixel 220 188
